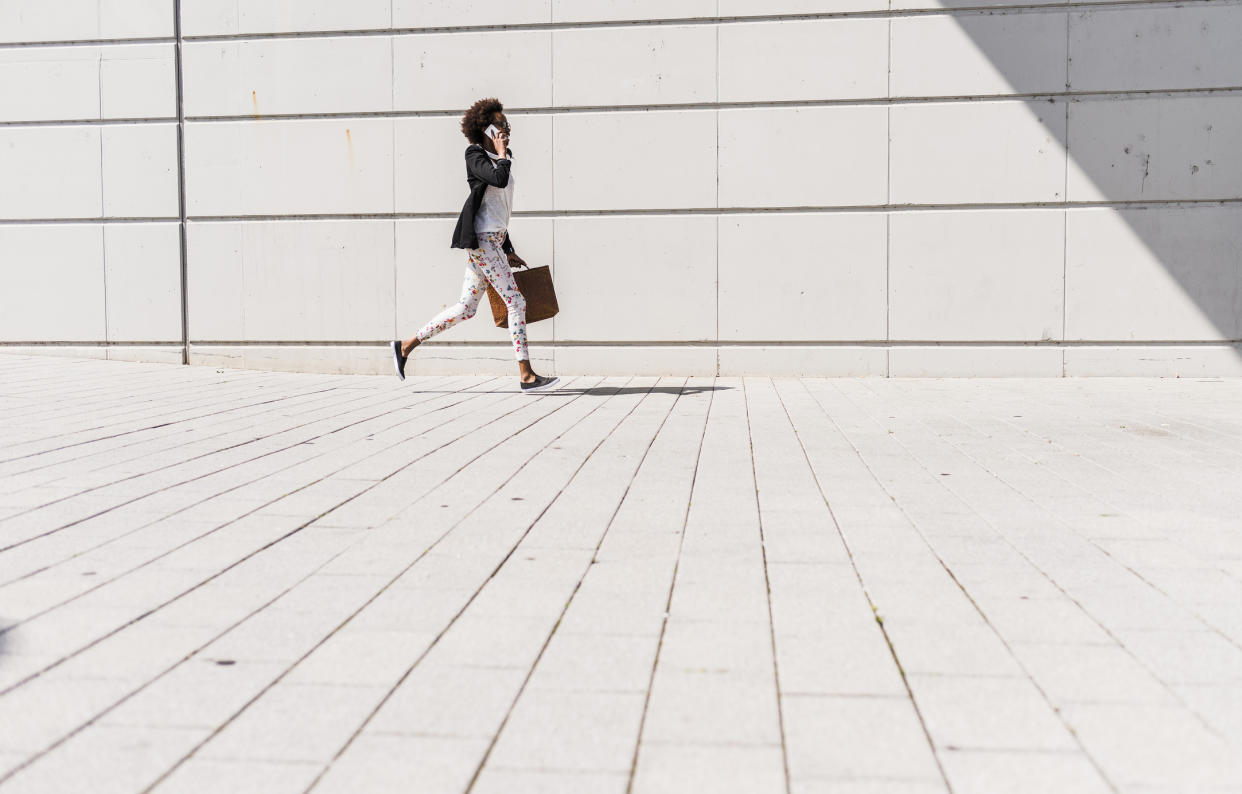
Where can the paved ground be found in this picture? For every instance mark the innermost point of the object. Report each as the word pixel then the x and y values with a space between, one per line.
pixel 229 581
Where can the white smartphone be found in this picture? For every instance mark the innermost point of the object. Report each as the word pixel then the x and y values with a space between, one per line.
pixel 492 131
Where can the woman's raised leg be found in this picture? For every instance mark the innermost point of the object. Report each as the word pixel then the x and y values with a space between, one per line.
pixel 473 285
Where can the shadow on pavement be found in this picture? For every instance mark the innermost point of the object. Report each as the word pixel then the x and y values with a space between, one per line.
pixel 594 391
pixel 605 391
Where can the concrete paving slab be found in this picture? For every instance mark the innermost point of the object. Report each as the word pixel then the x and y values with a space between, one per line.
pixel 386 764
pixel 244 581
pixel 844 738
pixel 1091 674
pixel 208 775
pixel 737 769
pixel 499 780
pixel 114 759
pixel 582 731
pixel 294 722
pixel 989 772
pixel 1001 713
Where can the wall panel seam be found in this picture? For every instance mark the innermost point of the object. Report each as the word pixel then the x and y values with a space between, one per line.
pixel 1050 97
pixel 392 131
pixel 30 45
pixel 1052 343
pixel 1065 194
pixel 552 164
pixel 83 221
pixel 716 372
pixel 1146 204
pixel 988 10
pixel 1073 96
pixel 91 343
pixel 874 343
pixel 103 204
pixel 711 211
pixel 183 247
pixel 888 196
pixel 89 122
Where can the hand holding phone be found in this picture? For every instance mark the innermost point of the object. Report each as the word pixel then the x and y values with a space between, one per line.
pixel 498 140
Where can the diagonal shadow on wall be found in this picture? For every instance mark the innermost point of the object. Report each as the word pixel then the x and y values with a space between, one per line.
pixel 1150 114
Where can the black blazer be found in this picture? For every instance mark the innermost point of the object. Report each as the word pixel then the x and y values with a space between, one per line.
pixel 480 172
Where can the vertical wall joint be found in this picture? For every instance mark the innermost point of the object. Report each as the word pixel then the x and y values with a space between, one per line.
pixel 185 303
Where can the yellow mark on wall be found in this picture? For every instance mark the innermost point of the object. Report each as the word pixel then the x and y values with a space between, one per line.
pixel 254 101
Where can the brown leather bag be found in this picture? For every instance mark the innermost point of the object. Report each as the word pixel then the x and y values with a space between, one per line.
pixel 535 284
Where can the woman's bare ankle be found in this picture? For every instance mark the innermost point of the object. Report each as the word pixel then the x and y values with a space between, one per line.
pixel 406 347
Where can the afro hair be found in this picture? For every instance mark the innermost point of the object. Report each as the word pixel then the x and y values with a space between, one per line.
pixel 478 117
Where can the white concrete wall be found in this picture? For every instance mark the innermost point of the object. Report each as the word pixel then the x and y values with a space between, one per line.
pixel 824 187
pixel 89 243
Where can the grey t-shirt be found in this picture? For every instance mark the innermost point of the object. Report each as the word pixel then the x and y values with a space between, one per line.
pixel 496 207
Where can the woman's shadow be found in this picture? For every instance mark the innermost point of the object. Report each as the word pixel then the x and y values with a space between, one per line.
pixel 609 391
pixel 6 627
pixel 597 391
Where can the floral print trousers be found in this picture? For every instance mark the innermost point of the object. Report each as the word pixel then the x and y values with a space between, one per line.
pixel 488 263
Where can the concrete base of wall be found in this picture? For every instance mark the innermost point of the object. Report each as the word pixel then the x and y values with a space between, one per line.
pixel 1026 361
pixel 158 354
pixel 901 361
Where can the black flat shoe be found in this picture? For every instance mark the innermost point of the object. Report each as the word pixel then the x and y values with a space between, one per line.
pixel 540 383
pixel 399 360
